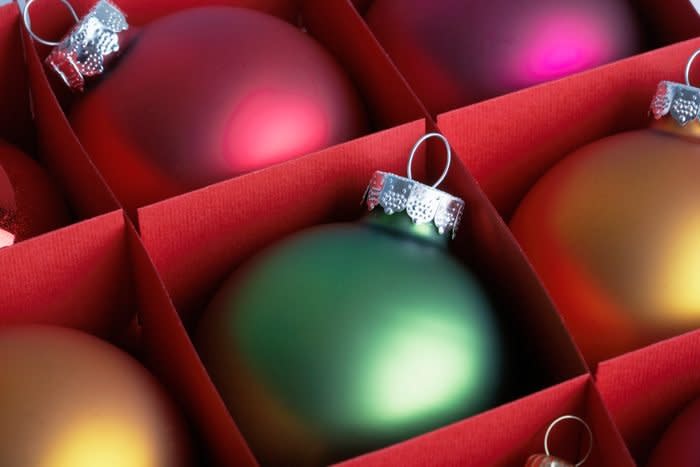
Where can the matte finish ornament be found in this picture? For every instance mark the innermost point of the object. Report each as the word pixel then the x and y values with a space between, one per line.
pixel 349 337
pixel 344 338
pixel 29 202
pixel 68 399
pixel 455 52
pixel 613 230
pixel 679 444
pixel 209 93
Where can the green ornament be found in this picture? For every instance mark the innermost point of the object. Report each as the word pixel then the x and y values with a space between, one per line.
pixel 345 338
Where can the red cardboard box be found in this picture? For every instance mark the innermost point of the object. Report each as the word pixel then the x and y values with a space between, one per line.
pixel 99 273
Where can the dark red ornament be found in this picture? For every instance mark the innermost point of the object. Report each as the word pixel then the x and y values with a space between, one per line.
pixel 209 93
pixel 29 202
pixel 455 52
pixel 679 445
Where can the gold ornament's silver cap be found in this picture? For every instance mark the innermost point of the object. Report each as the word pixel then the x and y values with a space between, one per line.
pixel 85 50
pixel 422 203
pixel 680 101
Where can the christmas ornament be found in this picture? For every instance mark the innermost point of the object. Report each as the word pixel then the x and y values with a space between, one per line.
pixel 679 445
pixel 68 399
pixel 347 337
pixel 454 52
pixel 29 203
pixel 548 460
pixel 200 96
pixel 613 231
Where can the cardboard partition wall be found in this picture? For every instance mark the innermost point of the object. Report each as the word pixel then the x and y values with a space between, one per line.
pixel 334 23
pixel 506 436
pixel 646 389
pixel 197 239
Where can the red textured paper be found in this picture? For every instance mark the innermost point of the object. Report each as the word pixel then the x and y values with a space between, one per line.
pixel 63 277
pixel 646 389
pixel 508 435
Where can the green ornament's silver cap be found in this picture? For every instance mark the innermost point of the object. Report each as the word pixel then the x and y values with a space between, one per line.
pixel 680 101
pixel 422 203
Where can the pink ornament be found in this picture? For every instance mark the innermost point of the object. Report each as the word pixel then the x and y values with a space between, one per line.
pixel 454 52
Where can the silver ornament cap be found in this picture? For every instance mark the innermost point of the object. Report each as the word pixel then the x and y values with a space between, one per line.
pixel 680 101
pixel 90 44
pixel 422 203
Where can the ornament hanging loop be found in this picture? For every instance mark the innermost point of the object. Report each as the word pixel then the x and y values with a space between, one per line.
pixel 448 149
pixel 28 22
pixel 582 422
pixel 689 66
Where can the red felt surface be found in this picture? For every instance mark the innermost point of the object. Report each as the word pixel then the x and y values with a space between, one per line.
pixel 646 389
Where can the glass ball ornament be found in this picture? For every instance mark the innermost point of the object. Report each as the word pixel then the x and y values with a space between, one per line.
pixel 68 399
pixel 613 231
pixel 344 338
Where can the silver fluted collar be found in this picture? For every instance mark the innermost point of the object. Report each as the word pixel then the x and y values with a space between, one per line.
pixel 83 52
pixel 680 101
pixel 422 203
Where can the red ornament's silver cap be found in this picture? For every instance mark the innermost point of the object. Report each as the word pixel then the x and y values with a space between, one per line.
pixel 84 51
pixel 422 203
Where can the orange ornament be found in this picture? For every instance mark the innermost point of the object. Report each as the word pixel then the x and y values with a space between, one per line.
pixel 613 231
pixel 68 399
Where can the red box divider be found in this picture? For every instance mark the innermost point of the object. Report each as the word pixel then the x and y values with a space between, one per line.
pixel 646 389
pixel 170 353
pixel 506 436
pixel 55 277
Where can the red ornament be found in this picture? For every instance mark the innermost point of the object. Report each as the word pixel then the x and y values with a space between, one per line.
pixel 455 52
pixel 210 93
pixel 29 203
pixel 679 445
